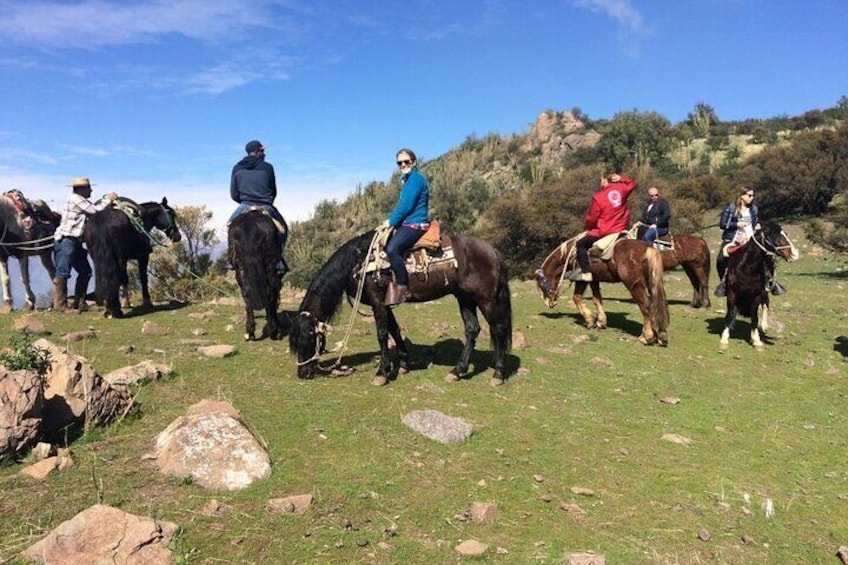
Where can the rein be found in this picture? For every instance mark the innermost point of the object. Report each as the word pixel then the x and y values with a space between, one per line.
pixel 32 245
pixel 134 215
pixel 320 328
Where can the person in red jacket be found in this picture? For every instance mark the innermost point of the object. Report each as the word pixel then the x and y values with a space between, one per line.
pixel 608 214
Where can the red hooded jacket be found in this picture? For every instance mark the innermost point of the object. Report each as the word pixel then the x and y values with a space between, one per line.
pixel 608 212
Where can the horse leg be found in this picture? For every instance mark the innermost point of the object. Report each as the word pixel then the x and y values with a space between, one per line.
pixel 598 300
pixel 588 316
pixel 697 287
pixel 755 328
pixel 142 278
pixel 500 343
pixel 6 282
pixel 49 265
pixel 272 303
pixel 648 335
pixel 29 300
pixel 729 318
pixel 381 318
pixel 468 311
pixel 400 346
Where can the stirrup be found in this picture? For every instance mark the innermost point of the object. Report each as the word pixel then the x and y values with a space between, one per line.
pixel 396 294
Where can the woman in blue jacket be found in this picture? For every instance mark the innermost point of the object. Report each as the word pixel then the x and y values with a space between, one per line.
pixel 410 219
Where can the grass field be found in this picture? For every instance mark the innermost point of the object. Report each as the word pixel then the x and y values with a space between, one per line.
pixel 585 409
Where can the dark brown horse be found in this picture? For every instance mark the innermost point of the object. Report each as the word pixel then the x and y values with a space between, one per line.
pixel 748 278
pixel 690 252
pixel 634 263
pixel 476 276
pixel 26 229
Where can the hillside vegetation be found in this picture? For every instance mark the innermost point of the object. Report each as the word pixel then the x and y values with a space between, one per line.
pixel 527 192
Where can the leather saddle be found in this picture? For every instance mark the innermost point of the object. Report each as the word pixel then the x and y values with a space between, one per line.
pixel 603 248
pixel 281 228
pixel 28 214
pixel 432 248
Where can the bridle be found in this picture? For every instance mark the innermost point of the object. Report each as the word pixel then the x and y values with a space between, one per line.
pixel 320 329
pixel 171 226
pixel 773 249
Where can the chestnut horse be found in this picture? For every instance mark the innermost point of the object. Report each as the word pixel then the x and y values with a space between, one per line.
pixel 690 252
pixel 749 272
pixel 634 263
pixel 476 276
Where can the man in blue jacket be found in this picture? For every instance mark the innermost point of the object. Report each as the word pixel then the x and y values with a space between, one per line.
pixel 252 184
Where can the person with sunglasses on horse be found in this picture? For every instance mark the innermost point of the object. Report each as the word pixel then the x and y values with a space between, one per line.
pixel 410 220
pixel 656 216
pixel 254 184
pixel 607 214
pixel 738 222
pixel 68 248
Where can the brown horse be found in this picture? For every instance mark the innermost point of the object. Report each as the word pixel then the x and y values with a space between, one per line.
pixel 693 254
pixel 476 276
pixel 634 263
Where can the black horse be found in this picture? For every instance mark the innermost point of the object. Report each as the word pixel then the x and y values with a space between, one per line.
pixel 749 273
pixel 26 229
pixel 477 277
pixel 120 233
pixel 254 251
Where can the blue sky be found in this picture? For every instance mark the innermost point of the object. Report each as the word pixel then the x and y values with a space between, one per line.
pixel 158 97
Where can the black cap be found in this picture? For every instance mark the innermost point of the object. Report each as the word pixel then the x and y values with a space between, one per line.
pixel 253 146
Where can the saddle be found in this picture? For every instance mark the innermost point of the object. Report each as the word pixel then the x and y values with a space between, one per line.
pixel 664 243
pixel 603 248
pixel 432 249
pixel 28 214
pixel 281 228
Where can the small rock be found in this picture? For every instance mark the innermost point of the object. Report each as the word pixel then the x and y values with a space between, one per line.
pixel 43 450
pixel 216 351
pixel 676 438
pixel 152 328
pixel 704 535
pixel 79 336
pixel 670 400
pixel 584 559
pixel 583 491
pixel 483 512
pixel 296 504
pixel 471 548
pixel 747 540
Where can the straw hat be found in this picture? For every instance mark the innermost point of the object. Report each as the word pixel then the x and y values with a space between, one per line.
pixel 81 182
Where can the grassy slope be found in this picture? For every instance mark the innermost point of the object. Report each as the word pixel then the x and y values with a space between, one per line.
pixel 582 412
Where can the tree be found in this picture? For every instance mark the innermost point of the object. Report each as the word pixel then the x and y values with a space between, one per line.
pixel 702 118
pixel 635 141
pixel 195 249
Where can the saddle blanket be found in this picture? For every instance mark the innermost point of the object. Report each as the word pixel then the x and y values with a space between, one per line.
pixel 418 261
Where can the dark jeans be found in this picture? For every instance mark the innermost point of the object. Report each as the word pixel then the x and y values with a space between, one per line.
pixel 71 254
pixel 583 246
pixel 653 233
pixel 403 238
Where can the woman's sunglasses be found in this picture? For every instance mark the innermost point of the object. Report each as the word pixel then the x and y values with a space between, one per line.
pixel 404 162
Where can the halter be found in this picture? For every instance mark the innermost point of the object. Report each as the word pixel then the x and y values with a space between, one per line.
pixel 776 248
pixel 320 330
pixel 172 225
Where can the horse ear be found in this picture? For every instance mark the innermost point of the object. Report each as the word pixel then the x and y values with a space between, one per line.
pixel 165 200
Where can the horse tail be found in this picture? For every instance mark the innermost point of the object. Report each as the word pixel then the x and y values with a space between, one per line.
pixel 255 252
pixel 500 328
pixel 659 302
pixel 100 240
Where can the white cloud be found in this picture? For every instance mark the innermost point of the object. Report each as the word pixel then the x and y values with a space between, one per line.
pixel 99 23
pixel 622 11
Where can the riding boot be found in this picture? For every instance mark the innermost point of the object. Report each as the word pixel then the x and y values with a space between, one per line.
pixel 777 289
pixel 80 290
pixel 396 294
pixel 60 294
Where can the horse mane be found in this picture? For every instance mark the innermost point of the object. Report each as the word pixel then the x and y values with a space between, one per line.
pixel 324 295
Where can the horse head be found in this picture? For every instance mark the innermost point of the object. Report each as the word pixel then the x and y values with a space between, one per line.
pixel 775 241
pixel 548 286
pixel 307 339
pixel 161 216
pixel 548 276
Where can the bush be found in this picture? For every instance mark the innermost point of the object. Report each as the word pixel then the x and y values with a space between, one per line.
pixel 22 355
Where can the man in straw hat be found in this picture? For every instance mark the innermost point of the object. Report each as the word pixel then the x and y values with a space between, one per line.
pixel 68 244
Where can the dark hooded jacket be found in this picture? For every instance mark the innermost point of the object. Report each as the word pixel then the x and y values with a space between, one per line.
pixel 253 181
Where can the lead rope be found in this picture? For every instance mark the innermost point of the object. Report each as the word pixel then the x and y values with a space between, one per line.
pixel 359 288
pixel 572 251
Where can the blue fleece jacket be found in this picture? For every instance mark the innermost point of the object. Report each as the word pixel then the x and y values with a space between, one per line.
pixel 253 181
pixel 414 204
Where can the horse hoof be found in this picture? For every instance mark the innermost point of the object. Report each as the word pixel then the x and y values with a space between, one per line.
pixel 722 346
pixel 379 380
pixel 452 378
pixel 248 337
pixel 643 340
pixel 759 347
pixel 496 381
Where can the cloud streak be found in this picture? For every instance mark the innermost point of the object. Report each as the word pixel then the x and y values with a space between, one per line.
pixel 622 11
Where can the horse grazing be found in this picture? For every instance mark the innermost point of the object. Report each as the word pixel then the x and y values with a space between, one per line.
pixel 690 252
pixel 634 263
pixel 120 233
pixel 475 275
pixel 26 229
pixel 748 277
pixel 254 251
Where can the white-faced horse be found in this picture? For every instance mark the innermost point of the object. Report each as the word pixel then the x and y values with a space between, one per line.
pixel 26 229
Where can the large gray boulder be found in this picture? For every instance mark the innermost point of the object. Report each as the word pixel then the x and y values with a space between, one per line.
pixel 212 445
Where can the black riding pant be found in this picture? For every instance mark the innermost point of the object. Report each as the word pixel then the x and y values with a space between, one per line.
pixel 583 246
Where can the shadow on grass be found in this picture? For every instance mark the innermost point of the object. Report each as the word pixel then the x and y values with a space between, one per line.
pixel 841 346
pixel 444 353
pixel 615 320
pixel 741 330
pixel 142 310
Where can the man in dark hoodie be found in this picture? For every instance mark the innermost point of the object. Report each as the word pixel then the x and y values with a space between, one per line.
pixel 253 184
